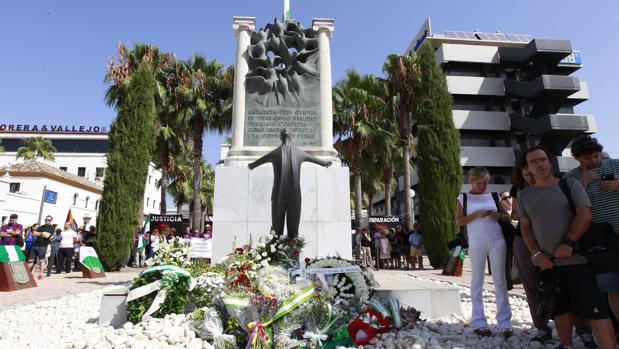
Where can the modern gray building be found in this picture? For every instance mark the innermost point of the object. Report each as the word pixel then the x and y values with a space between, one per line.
pixel 510 92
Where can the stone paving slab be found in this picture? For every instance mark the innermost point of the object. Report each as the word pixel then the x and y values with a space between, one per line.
pixel 464 280
pixel 60 285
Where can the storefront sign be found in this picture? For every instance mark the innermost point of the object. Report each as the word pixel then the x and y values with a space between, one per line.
pixel 25 128
pixel 572 59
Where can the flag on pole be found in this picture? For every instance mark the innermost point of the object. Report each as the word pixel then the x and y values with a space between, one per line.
pixel 11 253
pixel 286 10
pixel 71 220
pixel 146 226
pixel 89 258
pixel 143 239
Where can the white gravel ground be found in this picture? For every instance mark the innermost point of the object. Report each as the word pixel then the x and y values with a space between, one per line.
pixel 72 322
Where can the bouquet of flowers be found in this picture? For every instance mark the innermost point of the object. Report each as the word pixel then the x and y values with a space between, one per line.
pixel 173 252
pixel 207 324
pixel 263 309
pixel 280 250
pixel 241 273
pixel 208 287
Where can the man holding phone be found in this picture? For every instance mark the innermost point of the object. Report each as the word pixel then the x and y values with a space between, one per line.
pixel 600 178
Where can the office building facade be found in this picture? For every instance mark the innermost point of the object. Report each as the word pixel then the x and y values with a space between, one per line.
pixel 510 92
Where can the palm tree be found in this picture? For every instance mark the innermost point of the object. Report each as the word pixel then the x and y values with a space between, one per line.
pixel 119 73
pixel 355 100
pixel 180 184
pixel 204 103
pixel 207 191
pixel 36 147
pixel 404 78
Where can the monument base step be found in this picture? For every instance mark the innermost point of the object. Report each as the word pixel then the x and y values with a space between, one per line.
pixel 434 300
pixel 114 307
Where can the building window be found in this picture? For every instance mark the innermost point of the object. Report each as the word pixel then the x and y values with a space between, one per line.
pixel 97 205
pixel 154 201
pixel 14 187
pixel 149 178
pixel 63 168
pixel 74 199
pixel 81 171
pixel 147 202
pixel 86 203
pixel 99 172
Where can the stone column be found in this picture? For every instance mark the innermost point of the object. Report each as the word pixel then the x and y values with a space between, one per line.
pixel 324 28
pixel 243 26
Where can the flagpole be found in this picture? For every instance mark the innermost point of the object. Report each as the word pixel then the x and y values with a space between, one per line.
pixel 286 10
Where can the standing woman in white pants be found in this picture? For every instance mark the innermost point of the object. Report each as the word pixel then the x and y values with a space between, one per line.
pixel 485 239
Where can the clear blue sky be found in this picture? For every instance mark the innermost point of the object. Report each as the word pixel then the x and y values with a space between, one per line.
pixel 53 53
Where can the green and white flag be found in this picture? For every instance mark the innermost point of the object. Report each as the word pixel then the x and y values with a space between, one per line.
pixel 11 253
pixel 89 258
pixel 286 10
pixel 142 242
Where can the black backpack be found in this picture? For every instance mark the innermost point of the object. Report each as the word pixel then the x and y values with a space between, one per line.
pixel 599 245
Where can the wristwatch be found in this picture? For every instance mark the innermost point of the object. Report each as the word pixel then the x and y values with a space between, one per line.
pixel 569 242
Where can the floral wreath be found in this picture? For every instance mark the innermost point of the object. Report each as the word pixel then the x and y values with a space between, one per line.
pixel 346 287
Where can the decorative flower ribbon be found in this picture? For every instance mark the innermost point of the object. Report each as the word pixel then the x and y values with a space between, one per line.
pixel 321 272
pixel 170 275
pixel 393 312
pixel 323 334
pixel 285 308
pixel 367 326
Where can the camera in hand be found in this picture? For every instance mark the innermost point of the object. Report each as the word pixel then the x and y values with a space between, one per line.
pixel 547 294
pixel 608 177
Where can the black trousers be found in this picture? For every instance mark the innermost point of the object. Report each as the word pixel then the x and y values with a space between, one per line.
pixel 53 259
pixel 64 259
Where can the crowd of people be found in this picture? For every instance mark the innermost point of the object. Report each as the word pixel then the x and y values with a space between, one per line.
pixel 146 243
pixel 46 246
pixel 381 247
pixel 562 234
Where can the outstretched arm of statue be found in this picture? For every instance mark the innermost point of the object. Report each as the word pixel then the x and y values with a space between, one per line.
pixel 317 161
pixel 261 161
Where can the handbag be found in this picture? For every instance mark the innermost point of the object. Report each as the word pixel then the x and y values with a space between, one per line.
pixel 599 245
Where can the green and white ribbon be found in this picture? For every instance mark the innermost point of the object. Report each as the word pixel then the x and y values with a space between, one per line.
pixel 89 258
pixel 11 253
pixel 170 274
pixel 236 302
pixel 286 307
pixel 393 310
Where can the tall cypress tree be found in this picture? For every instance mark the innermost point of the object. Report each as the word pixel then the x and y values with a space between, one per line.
pixel 438 159
pixel 132 142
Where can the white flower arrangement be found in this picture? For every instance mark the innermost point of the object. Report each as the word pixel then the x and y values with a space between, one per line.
pixel 173 252
pixel 345 287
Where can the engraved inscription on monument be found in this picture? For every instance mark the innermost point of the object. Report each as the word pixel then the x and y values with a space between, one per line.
pixel 262 126
pixel 283 86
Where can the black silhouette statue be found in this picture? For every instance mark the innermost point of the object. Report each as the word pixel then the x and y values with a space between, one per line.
pixel 286 194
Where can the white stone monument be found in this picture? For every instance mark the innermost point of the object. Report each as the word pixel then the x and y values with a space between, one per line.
pixel 299 99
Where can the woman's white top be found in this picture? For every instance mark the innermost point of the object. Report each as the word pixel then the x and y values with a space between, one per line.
pixel 66 238
pixel 481 228
pixel 154 242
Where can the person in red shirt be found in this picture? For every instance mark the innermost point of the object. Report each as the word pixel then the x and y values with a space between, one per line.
pixel 9 233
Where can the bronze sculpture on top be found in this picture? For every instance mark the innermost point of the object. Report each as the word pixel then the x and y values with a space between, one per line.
pixel 286 194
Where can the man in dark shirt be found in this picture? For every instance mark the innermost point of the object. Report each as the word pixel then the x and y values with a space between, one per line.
pixel 10 233
pixel 89 236
pixel 39 247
